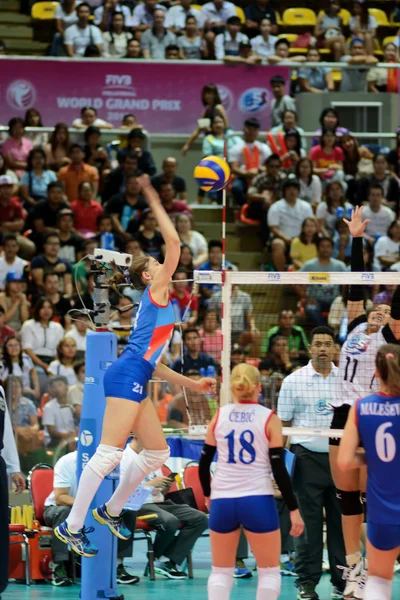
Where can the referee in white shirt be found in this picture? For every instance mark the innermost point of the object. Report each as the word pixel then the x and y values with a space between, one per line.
pixel 9 465
pixel 305 401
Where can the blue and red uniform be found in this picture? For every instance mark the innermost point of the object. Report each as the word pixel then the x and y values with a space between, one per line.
pixel 128 376
pixel 378 423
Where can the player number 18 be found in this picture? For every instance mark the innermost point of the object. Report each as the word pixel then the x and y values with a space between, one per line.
pixel 247 453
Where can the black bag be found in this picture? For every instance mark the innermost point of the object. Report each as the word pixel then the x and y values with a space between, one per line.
pixel 185 496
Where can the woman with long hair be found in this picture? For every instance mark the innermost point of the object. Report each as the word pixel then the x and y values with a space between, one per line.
pixel 304 248
pixel 248 438
pixel 33 118
pixel 363 25
pixel 35 180
pixel 116 39
pixel 329 210
pixel 15 362
pixel 57 148
pixel 366 332
pixel 329 29
pixel 328 158
pixel 41 334
pixel 353 154
pixel 64 363
pixel 329 121
pixel 194 239
pixel 17 146
pixel 374 424
pixel 186 259
pixel 212 103
pixel 127 406
pixel 310 183
pixel 191 45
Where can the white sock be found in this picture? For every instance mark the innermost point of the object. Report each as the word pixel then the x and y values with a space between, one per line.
pixel 269 583
pixel 130 477
pixel 220 583
pixel 378 588
pixel 89 483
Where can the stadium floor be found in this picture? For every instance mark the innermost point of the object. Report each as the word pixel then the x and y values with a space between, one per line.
pixel 194 589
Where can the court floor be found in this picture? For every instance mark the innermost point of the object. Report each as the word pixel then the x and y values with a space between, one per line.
pixel 161 589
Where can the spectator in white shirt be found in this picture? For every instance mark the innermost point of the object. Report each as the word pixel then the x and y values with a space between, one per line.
pixel 247 158
pixel 103 15
pixel 116 40
pixel 387 248
pixel 78 332
pixel 380 216
pixel 143 14
pixel 41 334
pixel 227 43
pixel 215 15
pixel 80 36
pixel 285 218
pixel 264 44
pixel 58 417
pixel 177 15
pixel 10 261
pixel 65 16
pixel 64 364
pixel 89 118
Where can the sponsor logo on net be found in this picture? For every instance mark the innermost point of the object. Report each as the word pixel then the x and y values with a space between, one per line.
pixel 21 94
pixel 318 277
pixel 86 438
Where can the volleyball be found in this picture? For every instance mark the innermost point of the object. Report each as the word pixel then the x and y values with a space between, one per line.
pixel 212 173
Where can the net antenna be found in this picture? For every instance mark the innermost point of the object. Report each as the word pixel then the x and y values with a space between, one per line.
pixel 272 292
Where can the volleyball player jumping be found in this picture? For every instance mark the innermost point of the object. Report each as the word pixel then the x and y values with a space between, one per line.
pixel 127 406
pixel 366 333
pixel 248 438
pixel 374 422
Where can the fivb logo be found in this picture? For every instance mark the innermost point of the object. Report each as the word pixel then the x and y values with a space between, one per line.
pixel 86 438
pixel 367 277
pixel 274 276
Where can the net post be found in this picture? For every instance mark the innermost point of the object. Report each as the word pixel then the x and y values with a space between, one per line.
pixel 226 336
pixel 223 239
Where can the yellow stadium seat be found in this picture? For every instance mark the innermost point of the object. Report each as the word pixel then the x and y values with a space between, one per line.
pixel 336 75
pixel 44 10
pixel 380 16
pixel 290 37
pixel 278 19
pixel 344 13
pixel 240 14
pixel 196 6
pixel 392 22
pixel 299 16
pixel 388 40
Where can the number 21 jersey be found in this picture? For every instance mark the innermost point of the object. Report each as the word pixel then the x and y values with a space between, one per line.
pixel 243 466
pixel 357 361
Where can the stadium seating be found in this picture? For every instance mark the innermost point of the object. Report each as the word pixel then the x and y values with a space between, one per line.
pixel 343 13
pixel 44 11
pixel 380 16
pixel 299 17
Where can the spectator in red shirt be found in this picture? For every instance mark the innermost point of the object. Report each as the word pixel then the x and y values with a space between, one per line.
pixel 185 305
pixel 86 209
pixel 77 172
pixel 172 206
pixel 12 217
pixel 328 158
pixel 5 330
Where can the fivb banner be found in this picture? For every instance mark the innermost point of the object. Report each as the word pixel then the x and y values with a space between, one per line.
pixel 164 96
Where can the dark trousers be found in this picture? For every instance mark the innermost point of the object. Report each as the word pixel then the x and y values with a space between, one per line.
pixel 55 515
pixel 4 535
pixel 315 491
pixel 170 517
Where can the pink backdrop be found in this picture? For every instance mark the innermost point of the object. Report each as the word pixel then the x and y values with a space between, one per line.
pixel 165 97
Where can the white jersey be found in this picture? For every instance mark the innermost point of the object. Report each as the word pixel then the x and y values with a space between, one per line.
pixel 243 466
pixel 357 362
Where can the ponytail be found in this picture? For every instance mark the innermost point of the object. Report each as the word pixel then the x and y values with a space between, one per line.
pixel 244 381
pixel 388 367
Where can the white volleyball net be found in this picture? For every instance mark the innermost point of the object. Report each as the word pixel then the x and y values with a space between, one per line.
pixel 267 319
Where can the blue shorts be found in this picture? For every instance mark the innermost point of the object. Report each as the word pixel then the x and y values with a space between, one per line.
pixel 383 537
pixel 257 514
pixel 128 377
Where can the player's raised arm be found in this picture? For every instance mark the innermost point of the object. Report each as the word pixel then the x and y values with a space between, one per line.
pixel 169 233
pixel 356 299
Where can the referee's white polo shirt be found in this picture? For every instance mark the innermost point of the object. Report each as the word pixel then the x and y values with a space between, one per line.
pixel 305 399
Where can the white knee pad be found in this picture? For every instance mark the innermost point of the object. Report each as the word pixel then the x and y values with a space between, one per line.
pixel 220 583
pixel 105 460
pixel 377 588
pixel 269 583
pixel 151 460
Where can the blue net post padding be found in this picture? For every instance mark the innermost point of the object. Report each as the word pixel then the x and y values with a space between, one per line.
pixel 98 573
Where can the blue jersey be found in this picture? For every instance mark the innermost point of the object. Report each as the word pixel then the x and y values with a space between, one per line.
pixel 153 329
pixel 378 422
